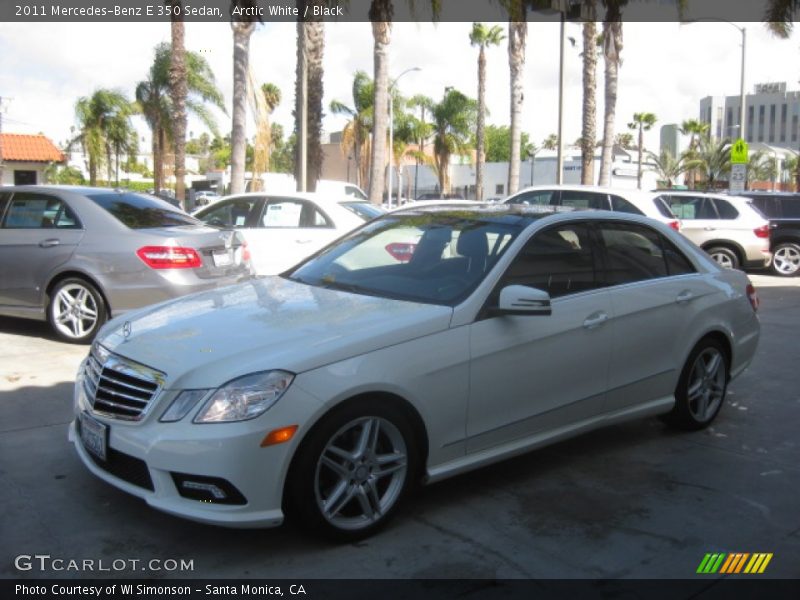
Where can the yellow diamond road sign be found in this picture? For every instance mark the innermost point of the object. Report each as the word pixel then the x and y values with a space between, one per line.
pixel 739 152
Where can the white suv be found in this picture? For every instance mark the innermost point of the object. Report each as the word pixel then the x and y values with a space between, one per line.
pixel 729 228
pixel 582 197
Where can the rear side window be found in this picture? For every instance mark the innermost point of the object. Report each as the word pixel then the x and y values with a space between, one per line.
pixel 30 210
pixel 791 207
pixel 559 261
pixel 289 213
pixel 138 211
pixel 350 190
pixel 725 209
pixel 662 204
pixel 769 207
pixel 3 203
pixel 534 198
pixel 580 200
pixel 633 253
pixel 677 263
pixel 692 207
pixel 619 204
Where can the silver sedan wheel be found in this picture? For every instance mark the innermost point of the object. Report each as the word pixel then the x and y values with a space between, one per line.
pixel 706 384
pixel 360 473
pixel 786 260
pixel 74 311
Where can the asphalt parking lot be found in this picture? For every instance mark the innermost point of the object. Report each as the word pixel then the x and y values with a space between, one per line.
pixel 634 501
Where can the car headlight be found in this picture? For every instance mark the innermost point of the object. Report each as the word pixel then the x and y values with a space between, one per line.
pixel 245 398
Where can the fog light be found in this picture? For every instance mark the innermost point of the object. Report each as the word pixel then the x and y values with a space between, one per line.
pixel 213 490
pixel 204 487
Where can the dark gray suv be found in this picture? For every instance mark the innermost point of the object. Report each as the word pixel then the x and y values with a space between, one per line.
pixel 76 256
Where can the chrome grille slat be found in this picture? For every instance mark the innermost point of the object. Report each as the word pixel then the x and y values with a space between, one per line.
pixel 119 388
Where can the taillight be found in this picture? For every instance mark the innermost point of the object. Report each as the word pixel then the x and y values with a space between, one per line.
pixel 401 251
pixel 762 232
pixel 169 257
pixel 752 295
pixel 676 225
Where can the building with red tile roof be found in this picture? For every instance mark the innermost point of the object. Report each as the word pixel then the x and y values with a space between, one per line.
pixel 23 158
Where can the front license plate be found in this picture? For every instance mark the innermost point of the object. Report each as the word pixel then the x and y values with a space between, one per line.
pixel 223 259
pixel 94 436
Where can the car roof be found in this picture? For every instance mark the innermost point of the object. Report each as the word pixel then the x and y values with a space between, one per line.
pixel 321 197
pixel 588 188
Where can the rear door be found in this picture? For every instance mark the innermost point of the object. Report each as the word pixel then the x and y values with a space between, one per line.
pixel 39 233
pixel 699 219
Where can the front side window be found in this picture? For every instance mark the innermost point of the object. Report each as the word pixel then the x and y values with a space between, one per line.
pixel 231 213
pixel 29 210
pixel 558 260
pixel 692 207
pixel 580 200
pixel 536 198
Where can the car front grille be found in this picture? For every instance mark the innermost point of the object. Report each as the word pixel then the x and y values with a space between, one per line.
pixel 117 387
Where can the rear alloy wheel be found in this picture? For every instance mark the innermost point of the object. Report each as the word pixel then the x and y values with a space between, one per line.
pixel 76 310
pixel 786 259
pixel 701 387
pixel 724 257
pixel 352 471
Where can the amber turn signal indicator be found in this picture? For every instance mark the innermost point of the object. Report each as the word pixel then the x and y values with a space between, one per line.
pixel 279 436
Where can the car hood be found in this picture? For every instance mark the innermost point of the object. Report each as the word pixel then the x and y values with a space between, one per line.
pixel 206 339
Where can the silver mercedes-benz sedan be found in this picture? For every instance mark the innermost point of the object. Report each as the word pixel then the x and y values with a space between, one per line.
pixel 326 392
pixel 78 255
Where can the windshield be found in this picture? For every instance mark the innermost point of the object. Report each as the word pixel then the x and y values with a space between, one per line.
pixel 138 211
pixel 365 210
pixel 429 257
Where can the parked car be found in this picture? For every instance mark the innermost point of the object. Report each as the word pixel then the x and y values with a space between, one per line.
pixel 75 256
pixel 580 197
pixel 783 212
pixel 332 187
pixel 327 392
pixel 734 233
pixel 282 230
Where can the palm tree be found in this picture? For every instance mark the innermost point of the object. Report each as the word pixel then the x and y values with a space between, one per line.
pixel 696 129
pixel 242 30
pixel 643 122
pixel 624 140
pixel 311 42
pixel 612 49
pixel 455 117
pixel 121 138
pixel 179 92
pixel 715 158
pixel 272 98
pixel 668 168
pixel 154 101
pixel 550 142
pixel 589 127
pixel 790 167
pixel 423 130
pixel 263 103
pixel 517 34
pixel 482 36
pixel 355 136
pixel 380 14
pixel 102 120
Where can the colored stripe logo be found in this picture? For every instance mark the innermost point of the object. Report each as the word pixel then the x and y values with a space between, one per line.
pixel 734 563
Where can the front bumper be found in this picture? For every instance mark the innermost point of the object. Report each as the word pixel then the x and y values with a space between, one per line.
pixel 150 452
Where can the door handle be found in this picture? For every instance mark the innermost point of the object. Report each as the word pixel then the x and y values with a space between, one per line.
pixel 49 243
pixel 684 297
pixel 595 320
pixel 710 228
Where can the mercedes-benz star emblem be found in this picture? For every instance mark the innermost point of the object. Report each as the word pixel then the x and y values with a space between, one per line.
pixel 126 329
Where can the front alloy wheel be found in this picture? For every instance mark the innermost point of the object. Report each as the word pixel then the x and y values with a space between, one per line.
pixel 76 310
pixel 352 470
pixel 786 260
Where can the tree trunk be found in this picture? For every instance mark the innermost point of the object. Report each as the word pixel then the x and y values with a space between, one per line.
pixel 178 88
pixel 641 149
pixel 162 144
pixel 612 46
pixel 241 56
pixel 589 130
pixel 517 32
pixel 481 122
pixel 381 32
pixel 315 36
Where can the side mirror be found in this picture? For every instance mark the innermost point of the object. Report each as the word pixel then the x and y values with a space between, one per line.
pixel 523 300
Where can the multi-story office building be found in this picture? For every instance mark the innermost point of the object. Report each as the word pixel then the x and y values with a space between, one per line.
pixel 771 116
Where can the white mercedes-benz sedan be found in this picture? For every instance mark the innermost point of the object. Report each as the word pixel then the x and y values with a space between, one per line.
pixel 327 392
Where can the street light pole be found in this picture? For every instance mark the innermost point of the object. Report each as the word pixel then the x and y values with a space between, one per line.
pixel 391 130
pixel 560 159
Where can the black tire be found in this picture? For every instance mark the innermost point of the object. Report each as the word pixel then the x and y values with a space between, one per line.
pixel 786 259
pixel 702 386
pixel 76 310
pixel 724 257
pixel 313 481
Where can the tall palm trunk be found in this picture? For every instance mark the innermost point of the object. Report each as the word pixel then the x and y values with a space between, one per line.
pixel 179 91
pixel 517 32
pixel 612 46
pixel 589 130
pixel 315 37
pixel 481 142
pixel 380 14
pixel 641 151
pixel 241 56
